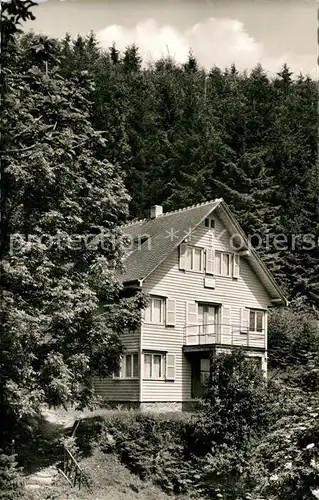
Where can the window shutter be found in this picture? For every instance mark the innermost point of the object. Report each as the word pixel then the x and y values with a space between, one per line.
pixel 147 312
pixel 210 261
pixel 211 320
pixel 192 318
pixel 226 325
pixel 170 312
pixel 182 256
pixel 235 265
pixel 170 366
pixel 244 320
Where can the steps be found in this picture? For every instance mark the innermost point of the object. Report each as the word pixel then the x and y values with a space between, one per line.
pixel 44 478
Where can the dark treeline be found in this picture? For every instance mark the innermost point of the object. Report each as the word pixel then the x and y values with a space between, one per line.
pixel 182 135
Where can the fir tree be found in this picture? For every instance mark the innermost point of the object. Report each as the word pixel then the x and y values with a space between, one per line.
pixel 114 54
pixel 131 59
pixel 191 64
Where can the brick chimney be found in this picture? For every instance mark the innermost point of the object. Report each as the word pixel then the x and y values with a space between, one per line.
pixel 155 211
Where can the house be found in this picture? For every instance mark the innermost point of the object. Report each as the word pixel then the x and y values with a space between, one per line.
pixel 208 290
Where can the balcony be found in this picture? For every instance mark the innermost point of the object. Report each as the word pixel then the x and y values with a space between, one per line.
pixel 200 336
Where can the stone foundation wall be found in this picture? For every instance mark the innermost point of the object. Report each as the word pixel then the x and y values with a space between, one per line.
pixel 127 405
pixel 160 407
pixel 154 407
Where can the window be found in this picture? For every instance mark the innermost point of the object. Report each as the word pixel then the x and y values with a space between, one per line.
pixel 128 367
pixel 205 322
pixel 195 261
pixel 256 321
pixel 159 365
pixel 154 313
pixel 204 371
pixel 210 223
pixel 223 263
pixel 118 372
pixel 153 365
pixel 207 318
pixel 131 365
pixel 191 258
pixel 161 310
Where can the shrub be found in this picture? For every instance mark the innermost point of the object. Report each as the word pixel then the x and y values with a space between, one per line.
pixel 236 404
pixel 10 478
pixel 151 445
pixel 88 433
pixel 289 457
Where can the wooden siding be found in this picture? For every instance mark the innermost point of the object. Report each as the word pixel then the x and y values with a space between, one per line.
pixel 183 286
pixel 117 389
pixel 121 389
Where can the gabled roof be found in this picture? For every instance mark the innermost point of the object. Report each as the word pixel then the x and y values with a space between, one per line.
pixel 165 233
pixel 157 238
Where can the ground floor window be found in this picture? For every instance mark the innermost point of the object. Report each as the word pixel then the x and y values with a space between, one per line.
pixel 153 365
pixel 159 366
pixel 131 365
pixel 128 366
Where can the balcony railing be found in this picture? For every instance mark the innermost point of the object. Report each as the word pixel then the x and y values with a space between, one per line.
pixel 233 335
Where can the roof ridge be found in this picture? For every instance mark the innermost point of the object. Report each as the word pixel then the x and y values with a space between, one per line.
pixel 174 211
pixel 190 206
pixel 133 222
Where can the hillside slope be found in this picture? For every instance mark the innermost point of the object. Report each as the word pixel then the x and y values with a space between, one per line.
pixel 110 480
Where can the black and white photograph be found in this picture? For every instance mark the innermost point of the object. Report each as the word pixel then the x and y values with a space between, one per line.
pixel 159 207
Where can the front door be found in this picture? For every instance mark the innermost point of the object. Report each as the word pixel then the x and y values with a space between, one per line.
pixel 200 376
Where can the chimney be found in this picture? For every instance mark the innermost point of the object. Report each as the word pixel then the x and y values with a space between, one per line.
pixel 155 211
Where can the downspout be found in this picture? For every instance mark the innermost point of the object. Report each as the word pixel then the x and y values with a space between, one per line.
pixel 140 353
pixel 266 342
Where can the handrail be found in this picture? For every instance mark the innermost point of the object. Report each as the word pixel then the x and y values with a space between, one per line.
pixel 72 457
pixel 72 471
pixel 244 334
